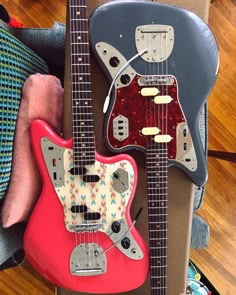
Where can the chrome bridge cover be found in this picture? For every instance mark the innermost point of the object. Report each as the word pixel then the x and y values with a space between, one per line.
pixel 157 39
pixel 84 260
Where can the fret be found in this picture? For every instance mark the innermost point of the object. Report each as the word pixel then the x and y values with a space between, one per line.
pixel 79 74
pixel 77 6
pixel 76 83
pixel 78 19
pixel 84 131
pixel 75 32
pixel 75 53
pixel 158 239
pixel 84 144
pixel 156 214
pixel 82 107
pixel 161 207
pixel 85 137
pixel 84 114
pixel 79 43
pixel 80 64
pixel 75 91
pixel 83 121
pixel 156 183
pixel 85 154
pixel 159 266
pixel 158 222
pixel 156 230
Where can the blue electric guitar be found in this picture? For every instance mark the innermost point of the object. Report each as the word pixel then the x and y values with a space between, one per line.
pixel 162 63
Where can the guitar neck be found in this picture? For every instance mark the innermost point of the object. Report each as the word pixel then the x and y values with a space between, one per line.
pixel 157 166
pixel 82 112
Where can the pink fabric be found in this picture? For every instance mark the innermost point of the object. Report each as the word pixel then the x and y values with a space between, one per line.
pixel 42 98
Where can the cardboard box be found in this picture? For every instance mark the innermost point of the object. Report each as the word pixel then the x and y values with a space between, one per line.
pixel 180 209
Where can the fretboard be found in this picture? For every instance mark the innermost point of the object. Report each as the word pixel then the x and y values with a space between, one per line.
pixel 157 166
pixel 82 113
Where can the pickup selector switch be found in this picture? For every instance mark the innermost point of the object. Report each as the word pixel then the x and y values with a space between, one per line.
pixel 125 243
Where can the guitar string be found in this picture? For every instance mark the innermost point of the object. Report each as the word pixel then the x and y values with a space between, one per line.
pixel 86 110
pixel 80 118
pixel 164 166
pixel 76 110
pixel 159 252
pixel 72 100
pixel 159 169
pixel 94 232
pixel 166 170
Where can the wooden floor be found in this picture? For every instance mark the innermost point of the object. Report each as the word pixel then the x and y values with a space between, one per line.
pixel 218 261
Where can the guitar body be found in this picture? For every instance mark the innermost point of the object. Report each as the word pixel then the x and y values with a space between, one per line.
pixel 79 216
pixel 170 81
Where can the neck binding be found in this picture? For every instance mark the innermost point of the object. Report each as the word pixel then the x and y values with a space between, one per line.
pixel 82 113
pixel 157 166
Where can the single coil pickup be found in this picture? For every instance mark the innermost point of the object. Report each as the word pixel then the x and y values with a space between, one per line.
pixel 91 178
pixel 79 209
pixel 78 171
pixel 149 91
pixel 86 227
pixel 92 216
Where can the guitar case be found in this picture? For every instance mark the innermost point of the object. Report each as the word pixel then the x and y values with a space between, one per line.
pixel 181 190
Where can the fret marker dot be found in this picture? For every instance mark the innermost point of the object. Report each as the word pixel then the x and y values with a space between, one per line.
pixel 78 12
pixel 162 204
pixel 79 38
pixel 83 145
pixel 80 78
pixel 86 102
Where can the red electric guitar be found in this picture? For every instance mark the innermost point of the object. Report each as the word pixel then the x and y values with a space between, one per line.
pixel 80 235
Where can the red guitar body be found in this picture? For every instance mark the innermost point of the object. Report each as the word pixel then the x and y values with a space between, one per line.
pixel 50 239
